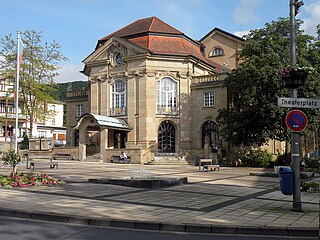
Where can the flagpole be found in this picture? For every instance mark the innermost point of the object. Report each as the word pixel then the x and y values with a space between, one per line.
pixel 17 94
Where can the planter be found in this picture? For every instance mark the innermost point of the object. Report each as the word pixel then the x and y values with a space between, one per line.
pixel 294 79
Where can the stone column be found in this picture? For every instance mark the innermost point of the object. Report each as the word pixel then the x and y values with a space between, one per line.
pixel 82 143
pixel 103 142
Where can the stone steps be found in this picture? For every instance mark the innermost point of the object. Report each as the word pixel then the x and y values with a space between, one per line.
pixel 167 160
pixel 93 158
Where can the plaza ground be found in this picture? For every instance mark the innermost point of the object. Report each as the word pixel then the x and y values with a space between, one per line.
pixel 229 200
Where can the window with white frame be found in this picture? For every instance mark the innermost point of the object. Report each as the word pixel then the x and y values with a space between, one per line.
pixel 208 99
pixel 216 51
pixel 167 95
pixel 42 134
pixel 79 110
pixel 118 98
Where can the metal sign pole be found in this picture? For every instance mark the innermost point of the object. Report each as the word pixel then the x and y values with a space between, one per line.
pixel 295 138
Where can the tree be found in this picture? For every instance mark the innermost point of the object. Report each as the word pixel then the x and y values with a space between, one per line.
pixel 38 68
pixel 12 159
pixel 253 116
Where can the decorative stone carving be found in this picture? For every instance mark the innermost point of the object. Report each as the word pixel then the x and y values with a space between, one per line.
pixel 152 74
pixel 92 79
pixel 116 54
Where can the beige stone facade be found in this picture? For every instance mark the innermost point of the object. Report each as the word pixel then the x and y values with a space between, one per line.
pixel 77 104
pixel 223 48
pixel 163 85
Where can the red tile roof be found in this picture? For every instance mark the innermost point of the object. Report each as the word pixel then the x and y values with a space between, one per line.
pixel 151 24
pixel 159 38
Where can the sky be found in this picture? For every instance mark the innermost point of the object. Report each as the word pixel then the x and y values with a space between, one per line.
pixel 78 24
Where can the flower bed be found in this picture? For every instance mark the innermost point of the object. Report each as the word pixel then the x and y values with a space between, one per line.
pixel 27 180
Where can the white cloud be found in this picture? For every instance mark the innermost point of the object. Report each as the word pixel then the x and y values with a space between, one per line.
pixel 241 33
pixel 69 73
pixel 245 12
pixel 313 19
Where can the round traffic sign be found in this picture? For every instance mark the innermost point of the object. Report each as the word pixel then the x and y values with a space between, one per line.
pixel 296 120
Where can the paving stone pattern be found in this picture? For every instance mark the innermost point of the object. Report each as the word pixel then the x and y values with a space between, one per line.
pixel 227 197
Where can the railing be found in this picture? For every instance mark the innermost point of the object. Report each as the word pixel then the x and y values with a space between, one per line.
pixel 80 93
pixel 7 109
pixel 167 110
pixel 120 111
pixel 6 94
pixel 13 115
pixel 208 78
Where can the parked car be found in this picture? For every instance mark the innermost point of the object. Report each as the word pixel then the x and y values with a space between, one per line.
pixel 60 143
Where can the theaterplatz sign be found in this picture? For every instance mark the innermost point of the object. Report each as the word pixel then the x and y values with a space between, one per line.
pixel 298 102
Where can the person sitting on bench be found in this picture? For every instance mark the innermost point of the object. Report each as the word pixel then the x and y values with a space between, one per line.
pixel 124 157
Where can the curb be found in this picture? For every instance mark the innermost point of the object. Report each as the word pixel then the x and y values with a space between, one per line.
pixel 158 226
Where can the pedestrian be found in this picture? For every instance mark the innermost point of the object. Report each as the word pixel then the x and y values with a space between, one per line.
pixel 124 157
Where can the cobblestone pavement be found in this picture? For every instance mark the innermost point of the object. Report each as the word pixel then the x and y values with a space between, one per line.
pixel 229 197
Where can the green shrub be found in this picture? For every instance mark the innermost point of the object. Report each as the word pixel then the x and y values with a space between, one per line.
pixel 282 160
pixel 258 158
pixel 310 186
pixel 24 144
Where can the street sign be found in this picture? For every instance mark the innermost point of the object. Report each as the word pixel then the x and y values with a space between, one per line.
pixel 296 120
pixel 299 102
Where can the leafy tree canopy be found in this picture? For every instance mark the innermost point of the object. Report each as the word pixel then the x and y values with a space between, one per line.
pixel 253 116
pixel 38 68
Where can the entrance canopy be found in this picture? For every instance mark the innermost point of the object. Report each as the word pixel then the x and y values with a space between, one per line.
pixel 105 122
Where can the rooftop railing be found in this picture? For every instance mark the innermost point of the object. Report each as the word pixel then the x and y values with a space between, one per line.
pixel 208 78
pixel 80 93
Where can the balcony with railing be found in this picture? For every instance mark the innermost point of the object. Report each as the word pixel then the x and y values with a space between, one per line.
pixel 167 110
pixel 119 111
pixel 7 109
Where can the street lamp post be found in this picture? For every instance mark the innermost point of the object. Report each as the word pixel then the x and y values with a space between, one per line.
pixel 295 138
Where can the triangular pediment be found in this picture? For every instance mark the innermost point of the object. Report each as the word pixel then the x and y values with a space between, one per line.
pixel 113 46
pixel 218 31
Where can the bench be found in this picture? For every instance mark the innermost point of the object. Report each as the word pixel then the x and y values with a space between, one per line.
pixel 53 164
pixel 62 156
pixel 207 164
pixel 31 163
pixel 115 158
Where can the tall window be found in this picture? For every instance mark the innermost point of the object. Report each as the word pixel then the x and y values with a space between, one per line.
pixel 118 98
pixel 208 99
pixel 79 110
pixel 167 96
pixel 216 51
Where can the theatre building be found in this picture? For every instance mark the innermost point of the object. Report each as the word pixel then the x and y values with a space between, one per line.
pixel 155 92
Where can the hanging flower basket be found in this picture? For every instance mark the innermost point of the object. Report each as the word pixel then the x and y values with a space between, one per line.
pixel 293 77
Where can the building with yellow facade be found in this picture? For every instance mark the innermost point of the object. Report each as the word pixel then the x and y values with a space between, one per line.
pixel 155 92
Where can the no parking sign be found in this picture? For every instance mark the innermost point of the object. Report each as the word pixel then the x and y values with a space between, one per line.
pixel 296 120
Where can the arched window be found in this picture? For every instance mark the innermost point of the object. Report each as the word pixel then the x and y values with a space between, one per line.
pixel 216 51
pixel 167 96
pixel 166 137
pixel 118 98
pixel 211 130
